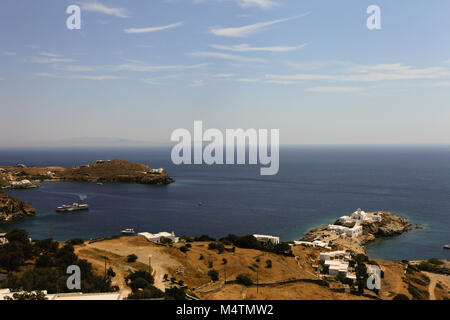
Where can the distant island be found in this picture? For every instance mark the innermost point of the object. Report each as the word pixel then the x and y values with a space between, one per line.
pixel 22 176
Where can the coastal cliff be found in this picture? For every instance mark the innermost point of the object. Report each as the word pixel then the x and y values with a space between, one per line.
pixel 12 209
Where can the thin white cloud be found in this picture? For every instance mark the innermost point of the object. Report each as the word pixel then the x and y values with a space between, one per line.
pixel 79 77
pixel 152 68
pixel 224 56
pixel 375 73
pixel 101 8
pixel 52 60
pixel 7 53
pixel 153 29
pixel 257 3
pixel 224 75
pixel 247 30
pixel 197 83
pixel 335 89
pixel 247 48
pixel 76 68
pixel 49 54
pixel 281 82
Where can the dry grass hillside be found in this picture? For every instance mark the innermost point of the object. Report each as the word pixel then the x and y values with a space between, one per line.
pixel 288 277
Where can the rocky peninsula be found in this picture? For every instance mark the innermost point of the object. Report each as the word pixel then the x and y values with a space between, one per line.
pixel 355 231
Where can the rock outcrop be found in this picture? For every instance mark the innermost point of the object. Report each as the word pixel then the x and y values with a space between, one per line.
pixel 12 209
pixel 390 225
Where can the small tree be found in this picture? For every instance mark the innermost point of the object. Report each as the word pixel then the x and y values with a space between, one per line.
pixel 201 257
pixel 224 261
pixel 111 272
pixel 132 258
pixel 166 277
pixel 244 280
pixel 184 249
pixel 269 263
pixel 210 264
pixel 214 274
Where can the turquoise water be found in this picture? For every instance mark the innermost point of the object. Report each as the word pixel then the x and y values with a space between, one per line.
pixel 315 185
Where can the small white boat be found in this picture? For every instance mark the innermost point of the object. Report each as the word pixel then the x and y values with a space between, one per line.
pixel 128 231
pixel 73 207
pixel 447 246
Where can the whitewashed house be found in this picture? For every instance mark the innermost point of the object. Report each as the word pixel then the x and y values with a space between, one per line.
pixel 267 239
pixel 158 236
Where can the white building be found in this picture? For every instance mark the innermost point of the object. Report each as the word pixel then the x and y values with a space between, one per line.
pixel 3 239
pixel 346 231
pixel 334 255
pixel 158 236
pixel 50 174
pixel 157 171
pixel 336 267
pixel 337 263
pixel 69 296
pixel 22 183
pixel 266 238
pixel 315 243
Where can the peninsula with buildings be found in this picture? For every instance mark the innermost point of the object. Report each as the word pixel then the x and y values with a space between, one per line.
pixel 354 231
pixel 22 176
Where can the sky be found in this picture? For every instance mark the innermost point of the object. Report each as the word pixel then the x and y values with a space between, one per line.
pixel 138 70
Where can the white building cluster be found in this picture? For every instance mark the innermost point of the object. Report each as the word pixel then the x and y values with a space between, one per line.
pixel 350 226
pixel 157 237
pixel 267 239
pixel 337 263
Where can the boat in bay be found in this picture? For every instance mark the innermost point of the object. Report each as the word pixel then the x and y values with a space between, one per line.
pixel 72 207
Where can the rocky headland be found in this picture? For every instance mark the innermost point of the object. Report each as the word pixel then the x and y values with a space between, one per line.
pixel 388 225
pixel 12 209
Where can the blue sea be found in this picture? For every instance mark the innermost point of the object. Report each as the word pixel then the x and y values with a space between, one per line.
pixel 315 185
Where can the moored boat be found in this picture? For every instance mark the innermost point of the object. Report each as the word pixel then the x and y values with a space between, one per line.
pixel 73 207
pixel 128 231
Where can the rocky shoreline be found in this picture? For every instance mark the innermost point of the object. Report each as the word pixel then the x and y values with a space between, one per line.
pixel 12 209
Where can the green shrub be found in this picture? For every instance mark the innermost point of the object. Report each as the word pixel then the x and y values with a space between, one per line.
pixel 214 275
pixel 435 261
pixel 75 241
pixel 244 280
pixel 184 249
pixel 132 258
